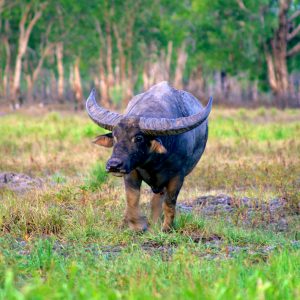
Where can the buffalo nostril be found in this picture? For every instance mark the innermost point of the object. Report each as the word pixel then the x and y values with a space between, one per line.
pixel 114 165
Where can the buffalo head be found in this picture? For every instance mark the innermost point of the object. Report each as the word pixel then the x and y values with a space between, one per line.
pixel 135 139
pixel 132 147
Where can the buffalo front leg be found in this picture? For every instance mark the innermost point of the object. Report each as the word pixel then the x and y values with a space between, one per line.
pixel 156 206
pixel 133 216
pixel 169 205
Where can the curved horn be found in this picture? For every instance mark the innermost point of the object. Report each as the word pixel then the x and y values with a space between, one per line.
pixel 101 116
pixel 162 126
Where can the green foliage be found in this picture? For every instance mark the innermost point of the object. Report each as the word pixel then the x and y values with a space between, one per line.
pixel 220 35
pixel 96 177
pixel 135 274
pixel 232 35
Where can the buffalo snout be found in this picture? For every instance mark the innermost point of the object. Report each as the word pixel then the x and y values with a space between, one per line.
pixel 115 165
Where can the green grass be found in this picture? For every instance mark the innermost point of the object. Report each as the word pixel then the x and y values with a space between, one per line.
pixel 234 128
pixel 97 177
pixel 66 240
pixel 135 274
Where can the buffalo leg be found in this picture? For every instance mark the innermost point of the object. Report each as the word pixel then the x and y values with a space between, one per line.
pixel 156 206
pixel 133 215
pixel 169 205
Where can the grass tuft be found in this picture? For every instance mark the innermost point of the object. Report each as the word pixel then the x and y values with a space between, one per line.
pixel 97 176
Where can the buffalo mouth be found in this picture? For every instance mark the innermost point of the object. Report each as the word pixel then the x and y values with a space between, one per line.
pixel 118 173
pixel 116 167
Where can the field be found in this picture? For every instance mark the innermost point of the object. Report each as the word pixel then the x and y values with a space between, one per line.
pixel 237 231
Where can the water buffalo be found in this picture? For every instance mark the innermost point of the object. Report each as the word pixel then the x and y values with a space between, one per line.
pixel 159 139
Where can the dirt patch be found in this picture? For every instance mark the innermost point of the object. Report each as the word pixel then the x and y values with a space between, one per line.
pixel 210 205
pixel 245 210
pixel 198 238
pixel 18 182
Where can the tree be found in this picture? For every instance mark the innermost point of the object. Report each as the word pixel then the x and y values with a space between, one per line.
pixel 126 46
pixel 26 25
pixel 252 36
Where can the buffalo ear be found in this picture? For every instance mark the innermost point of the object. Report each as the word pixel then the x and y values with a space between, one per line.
pixel 157 147
pixel 105 140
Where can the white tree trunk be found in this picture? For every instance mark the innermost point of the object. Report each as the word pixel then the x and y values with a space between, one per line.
pixel 60 70
pixel 7 70
pixel 78 86
pixel 22 46
pixel 169 59
pixel 180 66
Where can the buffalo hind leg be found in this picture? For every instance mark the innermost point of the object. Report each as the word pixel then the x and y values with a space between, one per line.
pixel 156 206
pixel 133 216
pixel 169 205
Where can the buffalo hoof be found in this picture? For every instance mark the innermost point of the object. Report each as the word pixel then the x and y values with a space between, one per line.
pixel 167 228
pixel 137 225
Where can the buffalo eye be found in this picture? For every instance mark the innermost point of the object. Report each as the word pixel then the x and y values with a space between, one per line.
pixel 138 139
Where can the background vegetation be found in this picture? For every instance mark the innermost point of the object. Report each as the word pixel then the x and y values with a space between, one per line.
pixel 242 51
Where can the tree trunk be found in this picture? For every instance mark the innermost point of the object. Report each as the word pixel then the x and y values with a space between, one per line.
pixel 150 68
pixel 110 75
pixel 181 60
pixel 1 5
pixel 71 81
pixel 7 84
pixel 29 88
pixel 271 72
pixel 276 55
pixel 60 70
pixel 53 86
pixel 254 91
pixel 196 82
pixel 102 76
pixel 77 86
pixel 103 83
pixel 129 43
pixel 130 82
pixel 16 83
pixel 146 79
pixel 22 46
pixel 122 61
pixel 168 59
pixel 36 72
pixel 279 47
pixel 7 70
